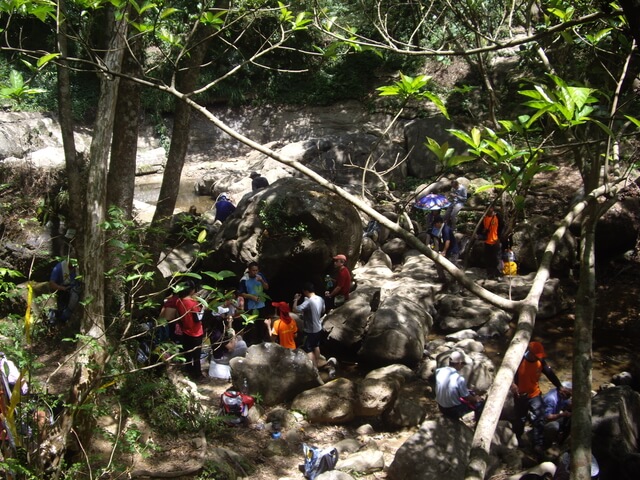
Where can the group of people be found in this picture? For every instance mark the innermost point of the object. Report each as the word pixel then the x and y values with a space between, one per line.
pixel 549 414
pixel 228 338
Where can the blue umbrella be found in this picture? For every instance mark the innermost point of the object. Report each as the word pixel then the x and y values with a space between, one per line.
pixel 432 201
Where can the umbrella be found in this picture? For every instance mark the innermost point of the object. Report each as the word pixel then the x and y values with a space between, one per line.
pixel 432 201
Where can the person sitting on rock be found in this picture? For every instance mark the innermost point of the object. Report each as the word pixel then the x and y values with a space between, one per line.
pixel 224 207
pixel 285 328
pixel 225 345
pixel 557 411
pixel 258 181
pixel 452 395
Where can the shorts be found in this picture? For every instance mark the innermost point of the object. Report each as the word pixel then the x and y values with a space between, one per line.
pixel 312 341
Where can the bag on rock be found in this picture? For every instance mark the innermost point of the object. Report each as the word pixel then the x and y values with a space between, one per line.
pixel 236 404
pixel 317 461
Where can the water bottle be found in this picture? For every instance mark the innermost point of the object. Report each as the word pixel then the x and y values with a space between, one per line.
pixel 328 281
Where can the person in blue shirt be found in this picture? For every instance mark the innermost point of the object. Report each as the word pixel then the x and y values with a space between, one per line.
pixel 224 207
pixel 458 199
pixel 557 414
pixel 64 284
pixel 253 287
pixel 446 243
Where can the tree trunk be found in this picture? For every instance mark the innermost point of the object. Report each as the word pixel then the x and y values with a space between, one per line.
pixel 187 78
pixel 121 179
pixel 582 351
pixel 91 359
pixel 74 162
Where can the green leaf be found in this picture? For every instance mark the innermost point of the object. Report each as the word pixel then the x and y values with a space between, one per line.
pixel 202 236
pixel 633 120
pixel 46 59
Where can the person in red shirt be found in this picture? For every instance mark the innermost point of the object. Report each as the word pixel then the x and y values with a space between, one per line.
pixel 190 315
pixel 527 394
pixel 340 292
pixel 285 327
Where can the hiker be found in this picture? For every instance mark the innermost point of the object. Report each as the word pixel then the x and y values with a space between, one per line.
pixel 225 344
pixel 452 395
pixel 447 243
pixel 312 310
pixel 284 328
pixel 527 394
pixel 342 285
pixel 557 411
pixel 224 207
pixel 253 286
pixel 67 288
pixel 491 226
pixel 458 198
pixel 258 181
pixel 190 315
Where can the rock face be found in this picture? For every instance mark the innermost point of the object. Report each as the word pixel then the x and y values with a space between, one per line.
pixel 616 416
pixel 294 228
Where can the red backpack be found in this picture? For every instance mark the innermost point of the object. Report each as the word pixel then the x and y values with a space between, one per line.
pixel 234 403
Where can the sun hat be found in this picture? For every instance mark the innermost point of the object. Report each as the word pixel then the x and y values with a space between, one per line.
pixel 340 257
pixel 456 357
pixel 537 349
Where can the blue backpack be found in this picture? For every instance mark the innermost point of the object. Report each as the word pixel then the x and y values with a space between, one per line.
pixel 317 461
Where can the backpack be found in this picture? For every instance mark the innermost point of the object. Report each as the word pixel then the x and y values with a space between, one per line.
pixel 317 461
pixel 235 404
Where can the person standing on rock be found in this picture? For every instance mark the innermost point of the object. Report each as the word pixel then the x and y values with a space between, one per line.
pixel 452 395
pixel 458 199
pixel 312 310
pixel 527 394
pixel 253 287
pixel 190 315
pixel 448 245
pixel 342 285
pixel 67 288
pixel 258 181
pixel 491 225
pixel 284 328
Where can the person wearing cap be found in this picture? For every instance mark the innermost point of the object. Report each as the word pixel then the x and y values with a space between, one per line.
pixel 527 394
pixel 342 286
pixel 557 414
pixel 312 309
pixel 285 328
pixel 258 181
pixel 224 207
pixel 452 395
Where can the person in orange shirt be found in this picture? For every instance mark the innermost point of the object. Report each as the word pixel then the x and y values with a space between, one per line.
pixel 527 394
pixel 284 328
pixel 491 230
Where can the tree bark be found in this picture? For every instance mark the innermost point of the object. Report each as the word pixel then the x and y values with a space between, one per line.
pixel 187 78
pixel 74 162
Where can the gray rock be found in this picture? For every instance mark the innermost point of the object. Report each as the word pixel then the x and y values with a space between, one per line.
pixel 263 367
pixel 397 333
pixel 348 445
pixel 332 402
pixel 334 475
pixel 362 462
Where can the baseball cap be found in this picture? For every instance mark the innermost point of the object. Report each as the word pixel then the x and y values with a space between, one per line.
pixel 283 307
pixel 456 357
pixel 537 349
pixel 340 257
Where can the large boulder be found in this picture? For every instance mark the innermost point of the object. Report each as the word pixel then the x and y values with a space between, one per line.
pixel 397 333
pixel 616 432
pixel 379 389
pixel 347 324
pixel 277 373
pixel 332 402
pixel 294 228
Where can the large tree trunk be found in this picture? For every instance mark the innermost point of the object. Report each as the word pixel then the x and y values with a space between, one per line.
pixel 74 162
pixel 582 351
pixel 187 78
pixel 91 359
pixel 121 179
